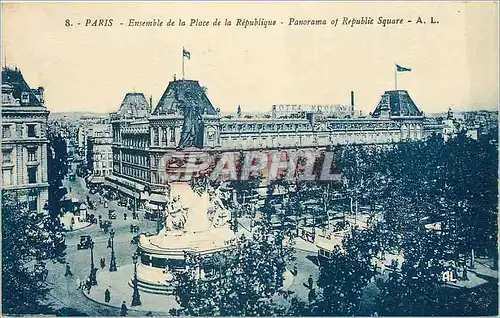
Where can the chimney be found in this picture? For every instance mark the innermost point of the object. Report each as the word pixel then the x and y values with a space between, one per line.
pixel 352 103
pixel 151 100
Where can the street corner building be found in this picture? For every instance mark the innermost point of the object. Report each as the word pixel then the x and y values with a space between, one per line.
pixel 24 140
pixel 144 137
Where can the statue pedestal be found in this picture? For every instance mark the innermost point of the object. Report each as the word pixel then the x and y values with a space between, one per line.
pixel 167 249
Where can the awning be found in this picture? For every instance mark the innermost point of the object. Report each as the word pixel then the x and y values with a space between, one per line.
pixel 153 207
pixel 127 191
pixel 157 198
pixel 110 178
pixel 96 180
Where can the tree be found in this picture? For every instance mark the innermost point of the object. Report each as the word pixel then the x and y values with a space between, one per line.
pixel 414 291
pixel 57 169
pixel 26 240
pixel 246 278
pixel 344 276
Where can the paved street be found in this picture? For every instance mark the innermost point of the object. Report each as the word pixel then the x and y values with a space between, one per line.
pixel 64 292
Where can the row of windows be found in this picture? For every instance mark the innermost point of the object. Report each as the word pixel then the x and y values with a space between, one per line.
pixel 102 172
pixel 135 159
pixel 32 155
pixel 265 127
pixel 102 164
pixel 136 173
pixel 7 176
pixel 273 141
pixel 170 134
pixel 8 131
pixel 103 156
pixel 135 142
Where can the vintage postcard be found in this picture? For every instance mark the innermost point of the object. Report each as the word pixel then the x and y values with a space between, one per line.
pixel 249 158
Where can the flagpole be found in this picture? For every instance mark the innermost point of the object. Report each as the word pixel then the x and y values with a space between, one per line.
pixel 396 78
pixel 182 63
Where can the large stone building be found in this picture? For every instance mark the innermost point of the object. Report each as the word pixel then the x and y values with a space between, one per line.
pixel 24 140
pixel 184 117
pixel 100 142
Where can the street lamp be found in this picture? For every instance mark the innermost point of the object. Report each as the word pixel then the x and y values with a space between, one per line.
pixel 112 264
pixel 136 298
pixel 158 220
pixel 161 216
pixel 93 279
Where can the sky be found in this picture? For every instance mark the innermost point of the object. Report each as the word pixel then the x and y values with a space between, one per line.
pixel 454 63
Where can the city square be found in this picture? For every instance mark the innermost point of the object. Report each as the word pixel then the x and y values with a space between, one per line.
pixel 136 193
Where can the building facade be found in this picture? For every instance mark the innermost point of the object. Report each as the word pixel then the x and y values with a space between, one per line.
pixel 184 118
pixel 24 140
pixel 102 156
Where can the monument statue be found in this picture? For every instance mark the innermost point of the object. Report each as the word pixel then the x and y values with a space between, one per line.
pixel 217 213
pixel 193 212
pixel 177 215
pixel 192 128
pixel 196 224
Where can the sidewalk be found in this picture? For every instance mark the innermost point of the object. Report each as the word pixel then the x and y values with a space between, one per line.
pixel 481 274
pixel 66 220
pixel 120 290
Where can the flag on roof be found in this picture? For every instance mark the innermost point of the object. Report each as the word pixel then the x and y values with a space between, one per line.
pixel 402 69
pixel 186 53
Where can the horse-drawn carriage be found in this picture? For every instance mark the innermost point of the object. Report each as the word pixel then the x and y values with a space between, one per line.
pixel 106 226
pixel 112 214
pixel 85 242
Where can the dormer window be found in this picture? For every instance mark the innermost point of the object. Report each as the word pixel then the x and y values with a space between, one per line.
pixel 25 98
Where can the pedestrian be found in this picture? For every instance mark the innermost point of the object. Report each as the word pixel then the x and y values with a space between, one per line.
pixel 310 281
pixel 125 215
pixel 107 295
pixel 88 285
pixel 312 295
pixel 109 243
pixel 295 269
pixel 103 263
pixel 68 271
pixel 131 228
pixel 94 272
pixel 123 310
pixel 465 277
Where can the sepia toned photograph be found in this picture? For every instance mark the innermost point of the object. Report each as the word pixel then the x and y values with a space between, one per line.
pixel 249 158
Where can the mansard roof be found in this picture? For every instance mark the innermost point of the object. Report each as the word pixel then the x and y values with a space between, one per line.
pixel 400 104
pixel 14 78
pixel 182 92
pixel 134 105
